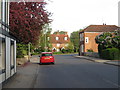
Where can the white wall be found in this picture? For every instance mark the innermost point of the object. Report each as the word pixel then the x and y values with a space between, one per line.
pixel 7 57
pixel 119 13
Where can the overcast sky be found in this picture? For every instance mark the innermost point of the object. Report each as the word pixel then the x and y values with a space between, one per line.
pixel 72 15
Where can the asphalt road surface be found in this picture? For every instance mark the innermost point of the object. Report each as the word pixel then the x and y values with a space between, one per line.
pixel 71 72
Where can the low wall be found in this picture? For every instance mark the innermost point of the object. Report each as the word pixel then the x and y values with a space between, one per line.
pixel 91 54
pixel 21 61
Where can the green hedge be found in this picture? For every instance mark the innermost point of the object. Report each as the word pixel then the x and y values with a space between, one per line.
pixel 57 52
pixel 111 54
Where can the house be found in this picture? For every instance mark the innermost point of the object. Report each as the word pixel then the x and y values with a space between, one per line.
pixel 87 37
pixel 7 44
pixel 59 41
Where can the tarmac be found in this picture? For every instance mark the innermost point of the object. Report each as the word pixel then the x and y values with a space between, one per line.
pixel 27 73
pixel 111 62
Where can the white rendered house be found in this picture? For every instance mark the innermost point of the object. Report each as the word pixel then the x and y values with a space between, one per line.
pixel 7 44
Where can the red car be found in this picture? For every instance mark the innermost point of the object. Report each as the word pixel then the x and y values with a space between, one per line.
pixel 46 57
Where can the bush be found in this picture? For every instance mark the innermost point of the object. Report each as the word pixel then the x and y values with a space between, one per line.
pixel 57 52
pixel 111 53
pixel 89 50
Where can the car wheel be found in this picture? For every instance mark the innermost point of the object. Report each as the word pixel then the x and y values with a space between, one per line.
pixel 40 63
pixel 53 63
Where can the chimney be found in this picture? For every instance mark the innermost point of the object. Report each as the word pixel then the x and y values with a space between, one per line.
pixel 104 23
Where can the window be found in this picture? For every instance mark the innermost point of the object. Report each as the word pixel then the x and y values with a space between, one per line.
pixel 65 38
pixel 47 54
pixel 57 38
pixel 58 44
pixel 86 40
pixel 12 54
pixel 81 37
pixel 3 53
pixel 0 53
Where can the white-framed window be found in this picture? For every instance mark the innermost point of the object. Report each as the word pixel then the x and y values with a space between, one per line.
pixel 58 45
pixel 65 38
pixel 12 53
pixel 86 40
pixel 3 53
pixel 57 38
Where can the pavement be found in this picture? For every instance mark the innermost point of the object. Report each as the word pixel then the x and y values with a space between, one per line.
pixel 111 62
pixel 25 77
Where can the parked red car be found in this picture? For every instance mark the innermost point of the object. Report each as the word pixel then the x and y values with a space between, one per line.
pixel 47 57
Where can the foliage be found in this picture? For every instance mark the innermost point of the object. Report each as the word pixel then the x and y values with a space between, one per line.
pixel 45 39
pixel 57 52
pixel 116 39
pixel 21 50
pixel 70 47
pixel 74 38
pixel 111 53
pixel 60 32
pixel 109 44
pixel 104 39
pixel 27 19
pixel 89 50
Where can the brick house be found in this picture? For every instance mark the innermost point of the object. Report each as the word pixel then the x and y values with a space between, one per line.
pixel 59 41
pixel 87 37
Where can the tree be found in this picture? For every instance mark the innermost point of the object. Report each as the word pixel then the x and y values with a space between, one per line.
pixel 44 41
pixel 27 20
pixel 70 47
pixel 105 39
pixel 116 39
pixel 108 41
pixel 60 32
pixel 74 38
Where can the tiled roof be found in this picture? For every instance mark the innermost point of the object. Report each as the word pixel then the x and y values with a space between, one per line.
pixel 61 38
pixel 100 28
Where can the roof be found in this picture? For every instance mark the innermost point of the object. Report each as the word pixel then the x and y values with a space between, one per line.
pixel 61 38
pixel 100 28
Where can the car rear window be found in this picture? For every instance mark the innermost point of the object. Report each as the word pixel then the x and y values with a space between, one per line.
pixel 47 54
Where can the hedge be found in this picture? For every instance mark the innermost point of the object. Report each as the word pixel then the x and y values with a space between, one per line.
pixel 111 54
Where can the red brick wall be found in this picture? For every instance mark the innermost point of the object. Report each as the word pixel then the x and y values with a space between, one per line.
pixel 91 41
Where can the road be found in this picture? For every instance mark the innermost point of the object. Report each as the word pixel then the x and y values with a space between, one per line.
pixel 71 72
pixel 68 72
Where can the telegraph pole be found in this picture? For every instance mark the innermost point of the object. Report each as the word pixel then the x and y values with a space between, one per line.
pixel 29 52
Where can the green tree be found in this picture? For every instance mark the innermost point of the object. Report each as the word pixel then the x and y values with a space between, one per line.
pixel 108 41
pixel 70 47
pixel 44 41
pixel 60 32
pixel 74 38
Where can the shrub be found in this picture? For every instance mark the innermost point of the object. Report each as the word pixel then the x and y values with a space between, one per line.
pixel 111 53
pixel 89 50
pixel 57 52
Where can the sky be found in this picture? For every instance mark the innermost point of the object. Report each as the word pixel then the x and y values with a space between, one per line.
pixel 72 15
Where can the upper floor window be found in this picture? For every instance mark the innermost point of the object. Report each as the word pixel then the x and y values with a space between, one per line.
pixel 81 37
pixel 57 38
pixel 86 40
pixel 65 38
